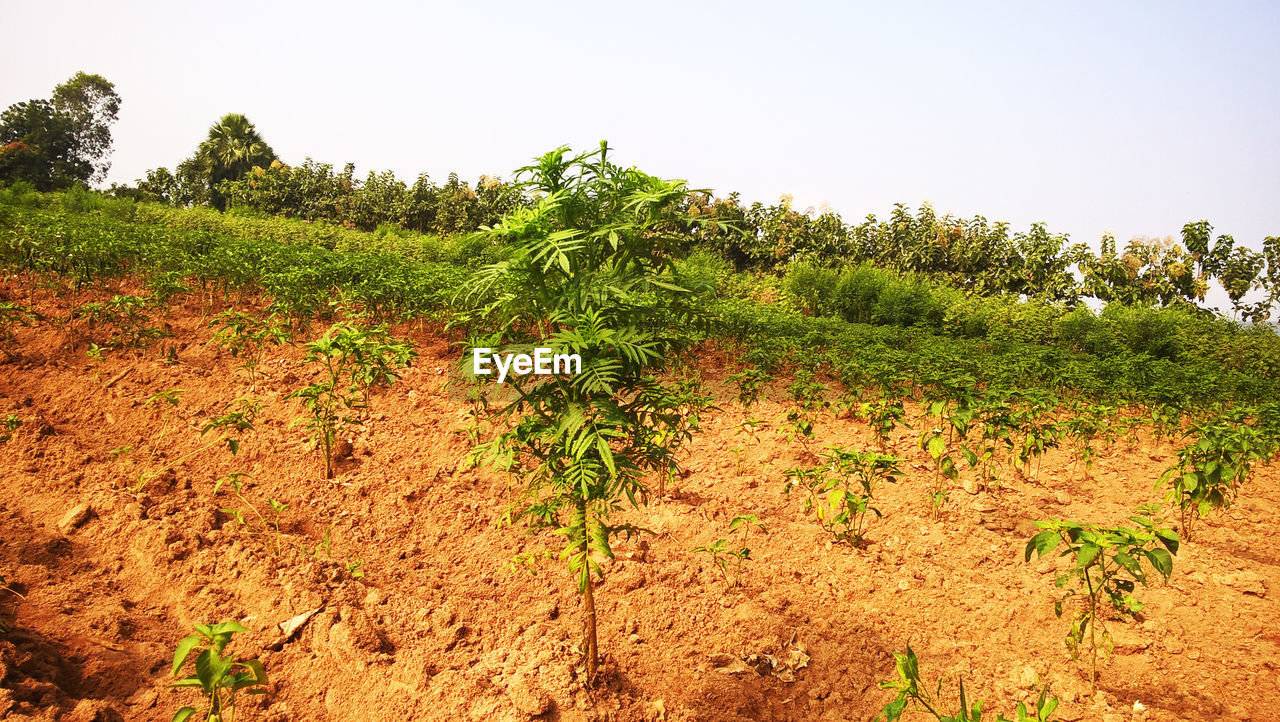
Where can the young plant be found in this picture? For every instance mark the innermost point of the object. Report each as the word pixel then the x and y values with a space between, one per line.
pixel 1211 470
pixel 809 397
pixel 839 492
pixel 231 423
pixel 218 676
pixel 8 425
pixel 588 269
pixel 12 315
pixel 125 315
pixel 1106 564
pixel 721 553
pixel 912 692
pixel 235 480
pixel 352 360
pixel 750 383
pixel 944 468
pixel 883 416
pixel 247 337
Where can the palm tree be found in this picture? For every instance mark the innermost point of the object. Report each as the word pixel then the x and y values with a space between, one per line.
pixel 232 149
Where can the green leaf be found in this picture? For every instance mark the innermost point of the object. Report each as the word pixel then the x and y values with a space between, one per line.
pixel 184 648
pixel 183 714
pixel 1161 560
pixel 1042 543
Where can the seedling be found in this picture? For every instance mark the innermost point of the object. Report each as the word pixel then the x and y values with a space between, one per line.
pixel 882 417
pixel 944 468
pixel 8 425
pixel 911 691
pixel 1211 470
pixel 219 677
pixel 720 552
pixel 1106 565
pixel 12 315
pixel 247 338
pixel 235 480
pixel 232 423
pixel 353 359
pixel 750 383
pixel 353 568
pixel 125 314
pixel 839 493
pixel 171 397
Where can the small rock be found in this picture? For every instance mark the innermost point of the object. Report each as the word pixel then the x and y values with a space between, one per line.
pixel 1128 640
pixel 983 505
pixel 1062 498
pixel 970 486
pixel 75 518
pixel 529 699
pixel 1245 581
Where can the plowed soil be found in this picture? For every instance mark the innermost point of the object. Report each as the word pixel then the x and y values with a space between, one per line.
pixel 434 623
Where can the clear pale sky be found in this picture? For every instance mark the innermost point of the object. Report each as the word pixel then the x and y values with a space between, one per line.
pixel 1089 116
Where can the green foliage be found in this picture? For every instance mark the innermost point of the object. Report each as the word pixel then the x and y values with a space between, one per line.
pixel 235 481
pixel 247 337
pixel 232 149
pixel 1106 564
pixel 912 692
pixel 840 491
pixel 8 425
pixel 38 145
pixel 123 316
pixel 12 315
pixel 352 360
pixel 588 270
pixel 883 416
pixel 236 419
pixel 218 675
pixel 1211 469
pixel 813 286
pixel 944 466
pixel 720 552
pixel 92 104
pixel 751 382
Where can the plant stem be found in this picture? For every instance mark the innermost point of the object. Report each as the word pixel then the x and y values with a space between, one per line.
pixel 588 600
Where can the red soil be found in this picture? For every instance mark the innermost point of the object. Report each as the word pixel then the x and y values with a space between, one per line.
pixel 440 628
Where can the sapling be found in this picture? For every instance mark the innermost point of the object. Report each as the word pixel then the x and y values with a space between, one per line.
pixel 720 551
pixel 218 676
pixel 1106 566
pixel 588 269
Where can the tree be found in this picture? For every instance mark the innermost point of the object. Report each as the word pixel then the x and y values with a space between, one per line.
pixel 588 270
pixel 232 149
pixel 39 145
pixel 92 104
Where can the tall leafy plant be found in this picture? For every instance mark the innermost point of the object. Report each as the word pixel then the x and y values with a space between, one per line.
pixel 588 270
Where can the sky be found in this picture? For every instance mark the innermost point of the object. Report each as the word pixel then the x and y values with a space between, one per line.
pixel 1132 117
